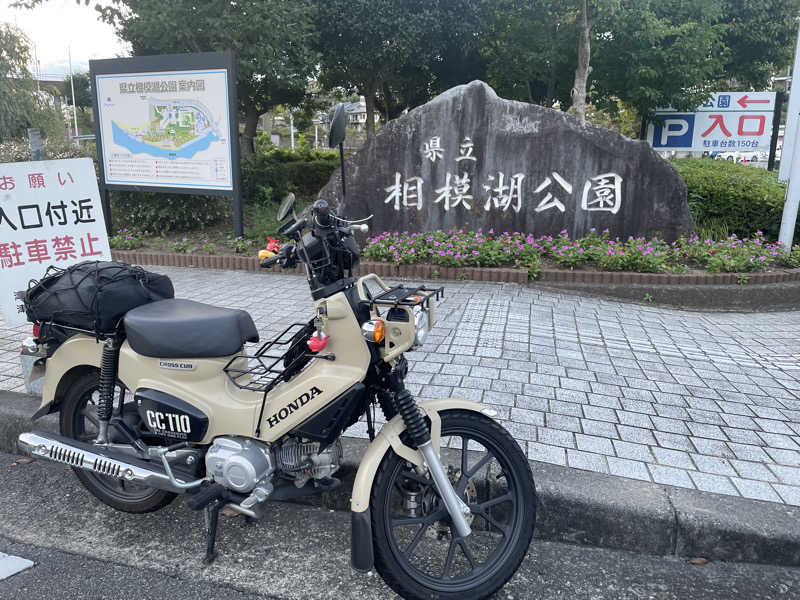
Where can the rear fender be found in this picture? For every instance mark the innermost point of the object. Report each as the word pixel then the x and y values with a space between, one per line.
pixel 362 557
pixel 73 357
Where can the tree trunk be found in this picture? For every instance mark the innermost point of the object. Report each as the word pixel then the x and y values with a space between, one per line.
pixel 369 99
pixel 583 69
pixel 250 126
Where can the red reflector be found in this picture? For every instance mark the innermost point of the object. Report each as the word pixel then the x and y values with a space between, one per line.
pixel 35 330
pixel 316 344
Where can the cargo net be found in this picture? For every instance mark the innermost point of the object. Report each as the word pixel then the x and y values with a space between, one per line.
pixel 277 360
pixel 92 296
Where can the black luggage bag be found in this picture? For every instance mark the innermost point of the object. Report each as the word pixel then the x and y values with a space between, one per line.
pixel 93 295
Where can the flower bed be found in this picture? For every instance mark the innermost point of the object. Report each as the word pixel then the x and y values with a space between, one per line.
pixel 457 248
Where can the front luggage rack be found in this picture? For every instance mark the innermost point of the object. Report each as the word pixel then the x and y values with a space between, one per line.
pixel 262 371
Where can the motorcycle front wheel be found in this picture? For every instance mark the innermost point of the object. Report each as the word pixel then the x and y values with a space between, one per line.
pixel 417 551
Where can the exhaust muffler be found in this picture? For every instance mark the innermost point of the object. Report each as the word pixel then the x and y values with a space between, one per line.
pixel 103 461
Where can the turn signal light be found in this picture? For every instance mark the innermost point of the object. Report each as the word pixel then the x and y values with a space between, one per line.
pixel 379 332
pixel 374 331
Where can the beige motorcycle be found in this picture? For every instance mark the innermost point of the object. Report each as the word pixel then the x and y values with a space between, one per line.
pixel 443 502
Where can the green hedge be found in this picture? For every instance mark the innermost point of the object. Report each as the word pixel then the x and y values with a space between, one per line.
pixel 266 178
pixel 733 198
pixel 269 175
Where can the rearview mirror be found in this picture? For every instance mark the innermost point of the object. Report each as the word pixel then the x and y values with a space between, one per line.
pixel 338 125
pixel 286 206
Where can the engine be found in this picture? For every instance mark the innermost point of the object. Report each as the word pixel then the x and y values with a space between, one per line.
pixel 304 461
pixel 239 463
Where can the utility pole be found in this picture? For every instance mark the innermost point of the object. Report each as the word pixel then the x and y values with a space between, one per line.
pixel 291 128
pixel 72 85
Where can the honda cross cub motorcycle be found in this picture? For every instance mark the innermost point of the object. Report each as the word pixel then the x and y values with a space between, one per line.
pixel 443 502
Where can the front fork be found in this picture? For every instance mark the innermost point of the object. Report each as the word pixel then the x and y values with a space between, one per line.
pixel 420 435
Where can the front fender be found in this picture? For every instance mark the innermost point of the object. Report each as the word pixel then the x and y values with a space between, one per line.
pixel 389 437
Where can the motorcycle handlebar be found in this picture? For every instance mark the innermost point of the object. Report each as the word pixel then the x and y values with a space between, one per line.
pixel 363 228
pixel 268 262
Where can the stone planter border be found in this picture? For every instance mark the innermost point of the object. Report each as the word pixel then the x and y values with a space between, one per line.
pixel 498 274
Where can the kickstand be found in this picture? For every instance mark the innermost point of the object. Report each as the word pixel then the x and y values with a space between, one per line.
pixel 212 519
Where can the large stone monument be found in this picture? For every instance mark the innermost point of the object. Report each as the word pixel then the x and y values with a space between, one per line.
pixel 469 159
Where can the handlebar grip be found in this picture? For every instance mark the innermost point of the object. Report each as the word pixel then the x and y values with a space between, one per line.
pixel 268 262
pixel 363 228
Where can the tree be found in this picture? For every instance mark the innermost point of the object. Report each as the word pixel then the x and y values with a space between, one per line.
pixel 83 90
pixel 759 39
pixel 366 44
pixel 530 50
pixel 17 87
pixel 590 13
pixel 272 40
pixel 656 53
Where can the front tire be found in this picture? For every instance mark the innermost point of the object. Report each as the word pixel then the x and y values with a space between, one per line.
pixel 417 552
pixel 79 422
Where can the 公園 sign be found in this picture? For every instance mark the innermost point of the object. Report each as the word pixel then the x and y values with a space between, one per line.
pixel 50 214
pixel 728 121
pixel 166 129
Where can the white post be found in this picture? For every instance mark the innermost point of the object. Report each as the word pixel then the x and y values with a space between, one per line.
pixel 792 116
pixel 291 129
pixel 792 194
pixel 316 136
pixel 72 85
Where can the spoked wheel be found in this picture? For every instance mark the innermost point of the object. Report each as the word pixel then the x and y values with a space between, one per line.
pixel 79 421
pixel 417 551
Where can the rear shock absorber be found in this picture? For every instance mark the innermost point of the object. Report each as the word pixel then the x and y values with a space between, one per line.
pixel 108 382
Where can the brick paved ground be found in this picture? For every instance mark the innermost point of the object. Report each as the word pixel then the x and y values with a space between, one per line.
pixel 699 400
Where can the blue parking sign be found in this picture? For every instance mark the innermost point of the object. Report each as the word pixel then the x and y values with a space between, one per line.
pixel 674 131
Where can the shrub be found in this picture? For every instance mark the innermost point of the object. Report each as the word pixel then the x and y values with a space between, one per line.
pixel 269 175
pixel 127 239
pixel 458 248
pixel 167 212
pixel 732 198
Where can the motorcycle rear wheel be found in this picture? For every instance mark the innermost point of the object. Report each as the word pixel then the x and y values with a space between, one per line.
pixel 79 422
pixel 417 551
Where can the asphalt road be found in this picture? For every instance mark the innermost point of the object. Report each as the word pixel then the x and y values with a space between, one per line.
pixel 85 550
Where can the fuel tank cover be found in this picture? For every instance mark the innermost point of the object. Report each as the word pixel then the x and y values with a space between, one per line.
pixel 169 416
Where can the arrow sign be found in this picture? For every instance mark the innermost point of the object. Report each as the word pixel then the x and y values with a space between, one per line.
pixel 744 101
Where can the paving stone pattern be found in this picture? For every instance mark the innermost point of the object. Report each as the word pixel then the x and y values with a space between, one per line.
pixel 698 400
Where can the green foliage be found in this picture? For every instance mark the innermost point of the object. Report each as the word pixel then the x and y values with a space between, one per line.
pixel 269 176
pixel 163 213
pixel 732 198
pixel 181 246
pixel 241 245
pixel 659 53
pixel 127 239
pixel 458 248
pixel 83 90
pixel 759 39
pixel 531 50
pixel 54 149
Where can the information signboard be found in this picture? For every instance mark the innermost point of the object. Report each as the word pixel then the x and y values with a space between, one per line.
pixel 168 124
pixel 728 121
pixel 50 214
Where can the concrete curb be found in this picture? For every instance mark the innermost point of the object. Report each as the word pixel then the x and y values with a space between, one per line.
pixel 581 507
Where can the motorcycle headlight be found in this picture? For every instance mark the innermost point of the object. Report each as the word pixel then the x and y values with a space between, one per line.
pixel 420 325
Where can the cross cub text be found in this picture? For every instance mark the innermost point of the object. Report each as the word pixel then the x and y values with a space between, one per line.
pixel 443 502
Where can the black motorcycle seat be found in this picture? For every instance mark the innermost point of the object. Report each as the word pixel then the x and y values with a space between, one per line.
pixel 177 328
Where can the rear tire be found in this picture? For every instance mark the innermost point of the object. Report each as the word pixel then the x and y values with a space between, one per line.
pixel 437 564
pixel 77 423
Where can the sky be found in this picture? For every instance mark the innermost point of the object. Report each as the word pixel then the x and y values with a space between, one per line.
pixel 57 25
